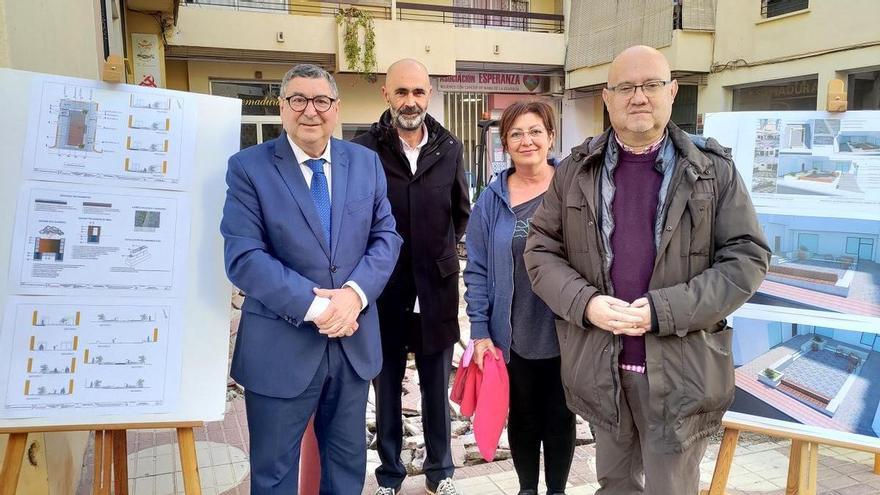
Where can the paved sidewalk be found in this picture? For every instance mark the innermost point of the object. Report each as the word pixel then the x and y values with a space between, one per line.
pixel 760 466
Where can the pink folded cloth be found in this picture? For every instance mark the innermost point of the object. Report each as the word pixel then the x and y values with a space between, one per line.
pixel 486 396
pixel 493 402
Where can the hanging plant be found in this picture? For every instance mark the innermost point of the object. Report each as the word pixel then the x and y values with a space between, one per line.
pixel 353 20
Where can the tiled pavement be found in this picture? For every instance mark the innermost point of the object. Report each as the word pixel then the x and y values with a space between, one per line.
pixel 760 466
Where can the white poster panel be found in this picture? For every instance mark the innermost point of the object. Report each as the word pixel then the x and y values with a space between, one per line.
pixel 95 356
pixel 75 240
pixel 94 132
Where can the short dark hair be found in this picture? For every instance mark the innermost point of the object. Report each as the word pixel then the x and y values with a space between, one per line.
pixel 514 111
pixel 309 71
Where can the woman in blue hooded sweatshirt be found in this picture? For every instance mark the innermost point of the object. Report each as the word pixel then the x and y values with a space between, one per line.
pixel 506 315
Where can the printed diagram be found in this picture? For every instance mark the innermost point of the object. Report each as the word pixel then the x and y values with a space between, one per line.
pixel 77 125
pixel 94 134
pixel 820 263
pixel 137 255
pixel 146 221
pixel 49 244
pixel 150 101
pixel 766 159
pixel 818 376
pixel 93 234
pixel 816 157
pixel 146 166
pixel 87 240
pixel 818 175
pixel 859 143
pixel 88 356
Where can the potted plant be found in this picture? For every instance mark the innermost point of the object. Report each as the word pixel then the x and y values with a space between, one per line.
pixel 770 377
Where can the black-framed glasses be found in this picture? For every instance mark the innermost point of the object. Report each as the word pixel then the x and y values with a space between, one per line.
pixel 298 103
pixel 650 88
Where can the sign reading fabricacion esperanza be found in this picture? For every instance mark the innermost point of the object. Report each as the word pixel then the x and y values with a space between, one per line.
pixel 493 82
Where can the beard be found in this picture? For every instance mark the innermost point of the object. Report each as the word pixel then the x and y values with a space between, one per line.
pixel 408 118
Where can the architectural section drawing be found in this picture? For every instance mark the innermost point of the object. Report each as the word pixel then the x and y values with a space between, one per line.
pixel 113 250
pixel 93 355
pixel 91 132
pixel 814 375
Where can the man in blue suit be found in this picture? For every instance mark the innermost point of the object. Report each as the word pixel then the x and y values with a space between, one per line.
pixel 310 238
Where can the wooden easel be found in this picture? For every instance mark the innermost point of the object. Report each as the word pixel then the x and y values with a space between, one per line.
pixel 111 455
pixel 802 462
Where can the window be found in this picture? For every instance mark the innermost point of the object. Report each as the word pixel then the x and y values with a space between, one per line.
pixel 775 95
pixel 868 339
pixel 257 98
pixel 684 108
pixel 808 242
pixel 864 91
pixel 827 332
pixel 775 8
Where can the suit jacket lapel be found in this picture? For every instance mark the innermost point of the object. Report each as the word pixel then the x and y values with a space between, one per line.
pixel 339 179
pixel 292 176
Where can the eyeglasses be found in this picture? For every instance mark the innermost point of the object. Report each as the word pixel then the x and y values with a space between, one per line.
pixel 650 88
pixel 298 103
pixel 534 135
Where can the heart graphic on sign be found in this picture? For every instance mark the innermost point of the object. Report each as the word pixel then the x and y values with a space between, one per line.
pixel 531 82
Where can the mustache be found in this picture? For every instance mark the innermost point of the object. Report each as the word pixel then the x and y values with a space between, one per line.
pixel 410 111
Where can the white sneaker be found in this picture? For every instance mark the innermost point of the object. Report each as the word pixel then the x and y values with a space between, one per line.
pixel 385 491
pixel 445 487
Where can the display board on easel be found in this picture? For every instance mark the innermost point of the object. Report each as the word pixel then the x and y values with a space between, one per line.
pixel 116 305
pixel 806 347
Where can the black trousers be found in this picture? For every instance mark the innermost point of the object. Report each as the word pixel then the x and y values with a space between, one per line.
pixel 434 370
pixel 539 415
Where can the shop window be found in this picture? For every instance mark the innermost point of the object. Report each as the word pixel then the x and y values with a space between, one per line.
pixel 864 91
pixel 868 339
pixel 775 8
pixel 789 95
pixel 256 98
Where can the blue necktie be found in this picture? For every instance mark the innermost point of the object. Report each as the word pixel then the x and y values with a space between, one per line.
pixel 321 194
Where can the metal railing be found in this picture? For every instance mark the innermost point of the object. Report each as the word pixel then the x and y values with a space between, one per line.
pixel 379 9
pixel 483 18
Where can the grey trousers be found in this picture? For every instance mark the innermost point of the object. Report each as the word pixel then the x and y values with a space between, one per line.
pixel 625 465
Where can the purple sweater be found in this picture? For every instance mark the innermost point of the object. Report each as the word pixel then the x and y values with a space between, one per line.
pixel 637 190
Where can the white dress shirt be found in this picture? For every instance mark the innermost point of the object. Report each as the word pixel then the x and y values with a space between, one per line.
pixel 319 304
pixel 412 153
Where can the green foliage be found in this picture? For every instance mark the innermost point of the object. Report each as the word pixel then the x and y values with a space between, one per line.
pixel 353 21
pixel 771 373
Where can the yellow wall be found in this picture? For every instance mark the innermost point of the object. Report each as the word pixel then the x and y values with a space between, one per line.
pixel 36 33
pixel 806 44
pixel 144 24
pixel 4 43
pixel 439 45
pixel 689 51
pixel 741 33
pixel 177 73
pixel 223 28
pixel 361 101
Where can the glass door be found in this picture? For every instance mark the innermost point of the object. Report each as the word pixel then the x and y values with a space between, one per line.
pixel 256 129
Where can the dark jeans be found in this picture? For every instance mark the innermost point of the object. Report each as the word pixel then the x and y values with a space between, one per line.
pixel 538 414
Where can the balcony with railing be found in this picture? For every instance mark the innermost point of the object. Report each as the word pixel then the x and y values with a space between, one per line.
pixel 440 35
pixel 510 15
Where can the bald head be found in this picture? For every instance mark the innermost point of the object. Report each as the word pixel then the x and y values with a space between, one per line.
pixel 639 58
pixel 639 95
pixel 406 66
pixel 407 90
